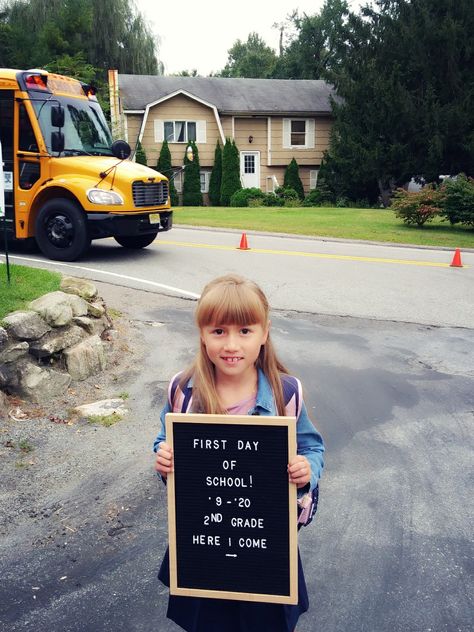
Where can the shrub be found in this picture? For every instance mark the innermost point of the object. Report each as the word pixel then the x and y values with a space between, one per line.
pixel 292 179
pixel 192 195
pixel 242 197
pixel 457 200
pixel 140 154
pixel 271 199
pixel 230 182
pixel 417 207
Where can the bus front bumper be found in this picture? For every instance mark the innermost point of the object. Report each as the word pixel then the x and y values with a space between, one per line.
pixel 113 224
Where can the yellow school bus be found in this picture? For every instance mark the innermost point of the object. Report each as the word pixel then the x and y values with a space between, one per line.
pixel 66 182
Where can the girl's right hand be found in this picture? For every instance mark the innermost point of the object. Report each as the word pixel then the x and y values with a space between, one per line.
pixel 164 459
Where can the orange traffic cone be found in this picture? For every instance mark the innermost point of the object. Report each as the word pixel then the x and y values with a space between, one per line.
pixel 243 243
pixel 456 262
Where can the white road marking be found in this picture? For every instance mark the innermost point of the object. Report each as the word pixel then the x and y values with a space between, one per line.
pixel 170 288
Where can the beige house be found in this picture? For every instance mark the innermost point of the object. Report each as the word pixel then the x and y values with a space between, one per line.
pixel 271 121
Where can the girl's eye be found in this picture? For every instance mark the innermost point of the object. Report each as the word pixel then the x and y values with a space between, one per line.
pixel 218 331
pixel 245 330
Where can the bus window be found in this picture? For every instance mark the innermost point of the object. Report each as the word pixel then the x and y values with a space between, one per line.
pixel 27 136
pixel 29 174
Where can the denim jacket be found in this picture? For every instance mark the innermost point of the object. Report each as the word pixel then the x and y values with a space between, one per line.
pixel 309 441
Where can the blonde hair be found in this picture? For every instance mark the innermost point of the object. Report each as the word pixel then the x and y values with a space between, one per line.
pixel 227 300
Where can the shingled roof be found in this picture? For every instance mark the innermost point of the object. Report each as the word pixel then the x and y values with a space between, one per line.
pixel 232 96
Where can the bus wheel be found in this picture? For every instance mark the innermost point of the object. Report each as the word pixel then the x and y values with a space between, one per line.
pixel 136 241
pixel 61 230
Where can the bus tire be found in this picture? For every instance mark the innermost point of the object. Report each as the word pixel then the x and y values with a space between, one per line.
pixel 61 230
pixel 136 241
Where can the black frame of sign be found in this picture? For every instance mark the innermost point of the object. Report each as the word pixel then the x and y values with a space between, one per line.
pixel 232 511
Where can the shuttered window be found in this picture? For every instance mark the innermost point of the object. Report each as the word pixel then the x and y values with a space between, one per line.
pixel 298 133
pixel 180 131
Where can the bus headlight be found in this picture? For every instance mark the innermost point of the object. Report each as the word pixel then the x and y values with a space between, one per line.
pixel 99 196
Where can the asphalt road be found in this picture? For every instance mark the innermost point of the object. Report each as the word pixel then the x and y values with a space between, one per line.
pixel 391 547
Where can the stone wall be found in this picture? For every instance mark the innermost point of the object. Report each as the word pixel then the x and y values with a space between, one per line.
pixel 57 339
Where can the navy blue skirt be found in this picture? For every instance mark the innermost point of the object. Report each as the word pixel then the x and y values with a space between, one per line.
pixel 198 614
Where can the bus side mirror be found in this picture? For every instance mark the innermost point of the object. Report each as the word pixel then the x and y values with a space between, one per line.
pixel 57 142
pixel 121 149
pixel 57 116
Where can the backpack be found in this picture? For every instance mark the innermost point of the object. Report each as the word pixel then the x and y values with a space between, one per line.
pixel 180 400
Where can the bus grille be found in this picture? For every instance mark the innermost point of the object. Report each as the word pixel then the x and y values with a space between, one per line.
pixel 150 193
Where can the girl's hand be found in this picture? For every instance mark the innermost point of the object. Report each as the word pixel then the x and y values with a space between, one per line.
pixel 164 459
pixel 299 471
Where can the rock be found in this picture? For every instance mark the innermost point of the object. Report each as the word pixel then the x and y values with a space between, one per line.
pixel 86 358
pixel 3 337
pixel 93 326
pixel 26 325
pixel 96 309
pixel 102 408
pixel 57 340
pixel 81 287
pixel 40 384
pixel 13 352
pixel 58 308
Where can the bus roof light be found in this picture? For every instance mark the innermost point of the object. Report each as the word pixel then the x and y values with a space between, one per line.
pixel 36 81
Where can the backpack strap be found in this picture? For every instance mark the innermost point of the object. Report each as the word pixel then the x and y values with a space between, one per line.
pixel 179 399
pixel 292 395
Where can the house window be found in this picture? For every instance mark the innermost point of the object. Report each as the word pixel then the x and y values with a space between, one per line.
pixel 179 131
pixel 178 182
pixel 298 133
pixel 205 178
pixel 249 163
pixel 313 178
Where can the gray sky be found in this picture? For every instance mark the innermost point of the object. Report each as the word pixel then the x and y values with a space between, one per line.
pixel 198 34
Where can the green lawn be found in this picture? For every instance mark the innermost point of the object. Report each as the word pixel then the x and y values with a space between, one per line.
pixel 347 223
pixel 26 285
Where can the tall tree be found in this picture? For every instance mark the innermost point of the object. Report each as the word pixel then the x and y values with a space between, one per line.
pixel 292 179
pixel 251 59
pixel 406 110
pixel 313 45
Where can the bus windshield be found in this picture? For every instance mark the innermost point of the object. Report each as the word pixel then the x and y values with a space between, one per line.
pixel 85 128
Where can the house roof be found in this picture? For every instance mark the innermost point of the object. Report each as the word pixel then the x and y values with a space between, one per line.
pixel 231 95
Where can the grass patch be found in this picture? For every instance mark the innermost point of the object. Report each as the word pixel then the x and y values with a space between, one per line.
pixel 25 446
pixel 114 313
pixel 124 395
pixel 346 223
pixel 104 420
pixel 26 285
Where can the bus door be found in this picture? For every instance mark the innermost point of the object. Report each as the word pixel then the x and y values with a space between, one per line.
pixel 6 138
pixel 27 170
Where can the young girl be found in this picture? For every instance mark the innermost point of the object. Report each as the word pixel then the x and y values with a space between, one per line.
pixel 237 372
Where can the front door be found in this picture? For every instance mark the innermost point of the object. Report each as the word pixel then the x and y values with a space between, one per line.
pixel 250 169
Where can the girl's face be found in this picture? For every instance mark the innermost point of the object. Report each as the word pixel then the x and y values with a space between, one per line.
pixel 234 349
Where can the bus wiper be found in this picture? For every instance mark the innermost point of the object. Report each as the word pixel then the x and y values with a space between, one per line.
pixel 75 152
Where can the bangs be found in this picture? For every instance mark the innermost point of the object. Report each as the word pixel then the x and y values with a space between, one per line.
pixel 231 304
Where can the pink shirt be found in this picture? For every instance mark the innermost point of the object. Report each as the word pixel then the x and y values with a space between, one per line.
pixel 243 407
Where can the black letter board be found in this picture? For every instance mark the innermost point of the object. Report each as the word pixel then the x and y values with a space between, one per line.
pixel 231 509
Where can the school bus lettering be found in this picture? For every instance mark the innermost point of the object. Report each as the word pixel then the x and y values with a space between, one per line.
pixel 67 182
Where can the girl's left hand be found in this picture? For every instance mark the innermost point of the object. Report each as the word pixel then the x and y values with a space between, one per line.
pixel 299 471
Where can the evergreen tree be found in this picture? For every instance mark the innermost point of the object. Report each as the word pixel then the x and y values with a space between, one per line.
pixel 405 109
pixel 292 179
pixel 192 195
pixel 164 167
pixel 216 178
pixel 140 154
pixel 252 59
pixel 230 172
